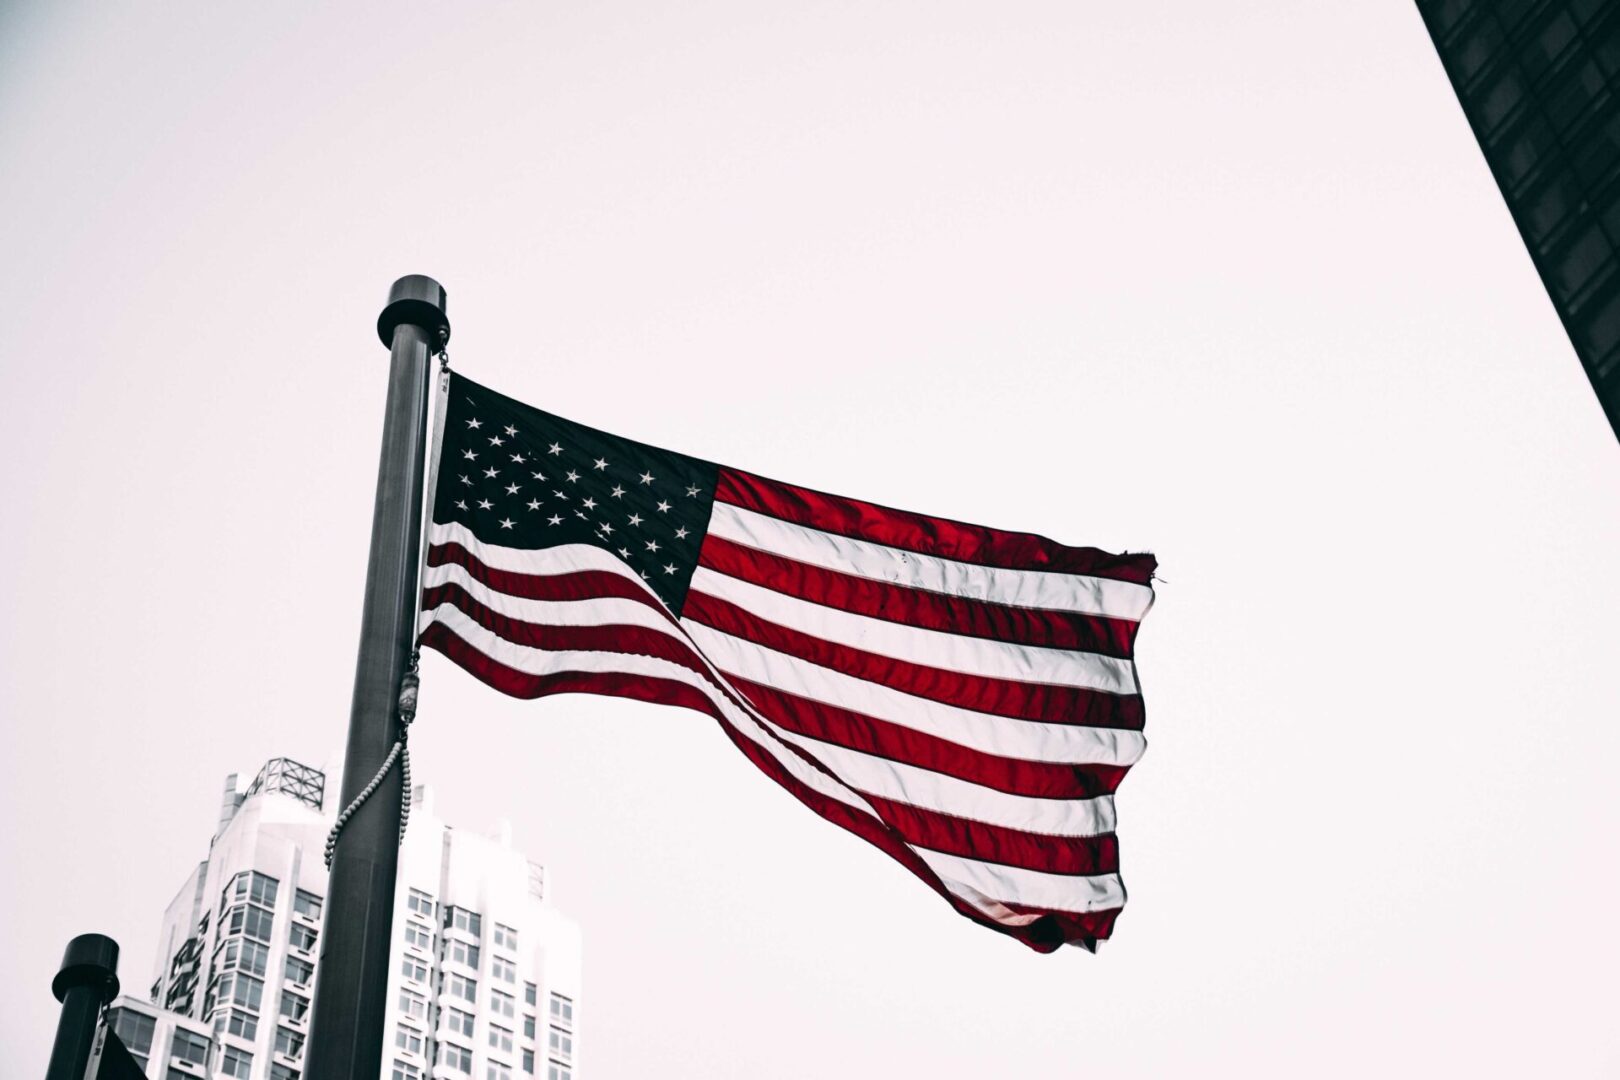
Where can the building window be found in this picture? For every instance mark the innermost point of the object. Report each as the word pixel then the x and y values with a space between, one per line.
pixel 504 970
pixel 561 1044
pixel 248 920
pixel 418 935
pixel 496 1071
pixel 528 1027
pixel 407 1040
pixel 461 953
pixel 500 1038
pixel 528 1061
pixel 404 1070
pixel 293 1006
pixel 461 1023
pixel 178 1074
pixel 249 956
pixel 252 887
pixel 236 1062
pixel 462 919
pixel 278 1071
pixel 462 987
pixel 135 1030
pixel 502 1004
pixel 308 905
pixel 240 989
pixel 242 1025
pixel 529 993
pixel 189 1046
pixel 458 1058
pixel 302 938
pixel 505 937
pixel 421 903
pixel 289 1042
pixel 412 1004
pixel 412 968
pixel 562 1010
pixel 557 1071
pixel 299 972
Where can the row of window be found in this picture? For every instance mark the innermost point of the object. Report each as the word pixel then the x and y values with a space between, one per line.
pixel 460 1060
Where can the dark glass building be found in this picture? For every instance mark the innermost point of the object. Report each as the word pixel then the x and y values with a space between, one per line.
pixel 1540 83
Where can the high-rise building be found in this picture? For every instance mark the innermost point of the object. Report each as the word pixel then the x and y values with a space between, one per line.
pixel 1539 81
pixel 485 975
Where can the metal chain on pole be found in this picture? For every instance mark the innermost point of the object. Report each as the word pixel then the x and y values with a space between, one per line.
pixel 408 689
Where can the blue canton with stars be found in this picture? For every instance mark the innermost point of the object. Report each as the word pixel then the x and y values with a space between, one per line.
pixel 520 477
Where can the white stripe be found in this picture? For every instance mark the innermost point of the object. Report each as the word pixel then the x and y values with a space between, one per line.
pixel 873 775
pixel 562 559
pixel 599 611
pixel 1020 588
pixel 1029 740
pixel 917 645
pixel 1030 888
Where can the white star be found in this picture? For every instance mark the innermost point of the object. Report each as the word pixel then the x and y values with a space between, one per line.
pixel 644 575
pixel 496 440
pixel 539 475
pixel 485 504
pixel 518 458
pixel 663 507
pixel 560 495
pixel 474 423
pixel 461 504
pixel 669 568
pixel 652 545
pixel 646 478
pixel 618 492
pixel 506 523
pixel 554 520
pixel 607 528
pixel 469 455
pixel 600 464
pixel 573 477
pixel 556 448
pixel 635 519
pixel 691 492
pixel 510 430
pixel 511 489
pixel 465 479
pixel 589 504
pixel 491 472
pixel 680 533
pixel 581 515
pixel 534 504
pixel 624 553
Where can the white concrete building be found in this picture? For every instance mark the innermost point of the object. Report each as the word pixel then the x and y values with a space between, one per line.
pixel 485 974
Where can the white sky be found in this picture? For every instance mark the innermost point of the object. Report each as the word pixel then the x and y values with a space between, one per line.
pixel 1229 282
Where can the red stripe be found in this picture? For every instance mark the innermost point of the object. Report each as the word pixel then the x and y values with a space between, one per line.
pixel 1001 697
pixel 917 607
pixel 1045 934
pixel 575 585
pixel 1015 776
pixel 925 535
pixel 991 843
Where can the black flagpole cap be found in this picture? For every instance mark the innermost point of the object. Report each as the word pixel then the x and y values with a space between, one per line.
pixel 418 300
pixel 90 960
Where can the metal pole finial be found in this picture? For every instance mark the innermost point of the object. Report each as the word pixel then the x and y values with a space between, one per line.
pixel 420 301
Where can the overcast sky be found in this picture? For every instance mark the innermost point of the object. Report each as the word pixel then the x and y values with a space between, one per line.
pixel 1228 282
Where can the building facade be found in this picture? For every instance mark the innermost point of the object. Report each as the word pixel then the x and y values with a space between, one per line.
pixel 485 973
pixel 1539 81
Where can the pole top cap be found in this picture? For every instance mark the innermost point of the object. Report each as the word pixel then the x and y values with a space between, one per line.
pixel 90 960
pixel 417 300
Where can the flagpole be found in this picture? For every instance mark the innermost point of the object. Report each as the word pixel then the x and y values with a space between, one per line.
pixel 348 1019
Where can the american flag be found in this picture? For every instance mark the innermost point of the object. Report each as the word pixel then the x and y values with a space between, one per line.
pixel 963 698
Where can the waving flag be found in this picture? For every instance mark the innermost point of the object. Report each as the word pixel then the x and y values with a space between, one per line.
pixel 963 698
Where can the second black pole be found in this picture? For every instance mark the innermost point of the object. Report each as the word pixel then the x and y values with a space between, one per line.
pixel 350 1010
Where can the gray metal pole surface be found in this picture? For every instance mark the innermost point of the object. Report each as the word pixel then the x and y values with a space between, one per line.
pixel 347 1025
pixel 87 981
